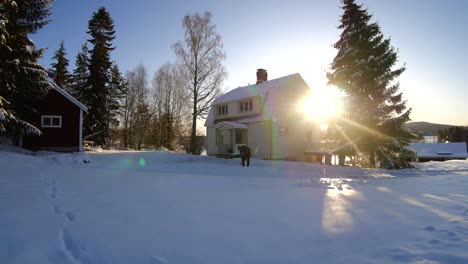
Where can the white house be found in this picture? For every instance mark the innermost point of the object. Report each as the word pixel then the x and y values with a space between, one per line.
pixel 439 151
pixel 265 117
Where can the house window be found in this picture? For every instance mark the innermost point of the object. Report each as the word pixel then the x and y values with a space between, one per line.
pixel 224 137
pixel 222 110
pixel 245 106
pixel 283 130
pixel 51 121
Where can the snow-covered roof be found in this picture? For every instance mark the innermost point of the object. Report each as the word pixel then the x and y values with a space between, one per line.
pixel 440 150
pixel 231 124
pixel 267 89
pixel 70 98
pixel 252 90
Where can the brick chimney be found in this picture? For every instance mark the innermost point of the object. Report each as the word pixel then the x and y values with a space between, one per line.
pixel 262 76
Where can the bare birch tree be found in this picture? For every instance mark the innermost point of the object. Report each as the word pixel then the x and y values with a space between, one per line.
pixel 169 105
pixel 136 114
pixel 202 55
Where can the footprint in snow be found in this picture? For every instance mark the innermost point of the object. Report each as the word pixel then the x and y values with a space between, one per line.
pixel 450 236
pixel 75 251
pixel 57 209
pixel 429 228
pixel 70 216
pixel 401 255
pixel 53 192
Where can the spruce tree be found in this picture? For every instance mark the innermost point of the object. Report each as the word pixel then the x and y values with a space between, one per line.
pixel 6 114
pixel 59 72
pixel 22 80
pixel 101 29
pixel 79 86
pixel 363 69
pixel 117 93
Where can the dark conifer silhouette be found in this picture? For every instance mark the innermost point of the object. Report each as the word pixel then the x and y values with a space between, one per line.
pixel 375 116
pixel 59 71
pixel 101 29
pixel 22 80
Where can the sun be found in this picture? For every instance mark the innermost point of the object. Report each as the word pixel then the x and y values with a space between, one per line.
pixel 321 106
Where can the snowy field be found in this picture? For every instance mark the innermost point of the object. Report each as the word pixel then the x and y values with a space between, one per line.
pixel 151 207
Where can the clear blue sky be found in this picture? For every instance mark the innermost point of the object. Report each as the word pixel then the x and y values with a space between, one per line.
pixel 286 37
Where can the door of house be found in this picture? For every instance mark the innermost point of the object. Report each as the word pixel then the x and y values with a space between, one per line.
pixel 240 139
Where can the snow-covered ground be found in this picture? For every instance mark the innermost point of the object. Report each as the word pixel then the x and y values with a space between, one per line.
pixel 150 207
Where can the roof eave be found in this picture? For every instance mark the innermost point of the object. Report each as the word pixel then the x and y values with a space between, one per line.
pixel 70 98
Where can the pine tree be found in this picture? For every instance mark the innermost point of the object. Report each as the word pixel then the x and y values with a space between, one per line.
pixel 22 80
pixel 117 92
pixel 79 86
pixel 364 70
pixel 6 114
pixel 59 72
pixel 101 29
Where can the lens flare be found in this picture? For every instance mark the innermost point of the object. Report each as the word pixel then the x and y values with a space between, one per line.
pixel 321 107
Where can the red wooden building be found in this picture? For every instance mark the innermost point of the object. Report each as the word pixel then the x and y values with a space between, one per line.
pixel 61 123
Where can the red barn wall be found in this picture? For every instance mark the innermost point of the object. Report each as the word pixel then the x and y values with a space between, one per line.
pixel 65 138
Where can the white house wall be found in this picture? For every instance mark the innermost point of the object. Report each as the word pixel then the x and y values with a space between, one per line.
pixel 258 140
pixel 289 138
pixel 286 115
pixel 211 148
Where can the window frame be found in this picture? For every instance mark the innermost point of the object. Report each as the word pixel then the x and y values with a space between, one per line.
pixel 223 110
pixel 51 123
pixel 245 106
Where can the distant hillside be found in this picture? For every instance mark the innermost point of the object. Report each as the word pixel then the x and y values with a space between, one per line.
pixel 426 128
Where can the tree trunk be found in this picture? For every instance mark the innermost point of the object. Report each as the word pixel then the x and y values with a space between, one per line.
pixel 341 159
pixel 193 135
pixel 372 158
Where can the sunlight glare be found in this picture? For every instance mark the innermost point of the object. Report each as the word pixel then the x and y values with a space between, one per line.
pixel 336 215
pixel 321 107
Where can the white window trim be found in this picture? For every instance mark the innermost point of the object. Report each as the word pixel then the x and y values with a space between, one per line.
pixel 246 106
pixel 223 110
pixel 51 118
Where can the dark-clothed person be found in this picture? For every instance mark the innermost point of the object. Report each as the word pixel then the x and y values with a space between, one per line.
pixel 244 154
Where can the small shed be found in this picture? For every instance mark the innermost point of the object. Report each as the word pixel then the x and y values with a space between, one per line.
pixel 60 120
pixel 439 151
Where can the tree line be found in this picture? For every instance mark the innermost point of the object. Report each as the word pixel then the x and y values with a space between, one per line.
pixel 453 134
pixel 126 110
